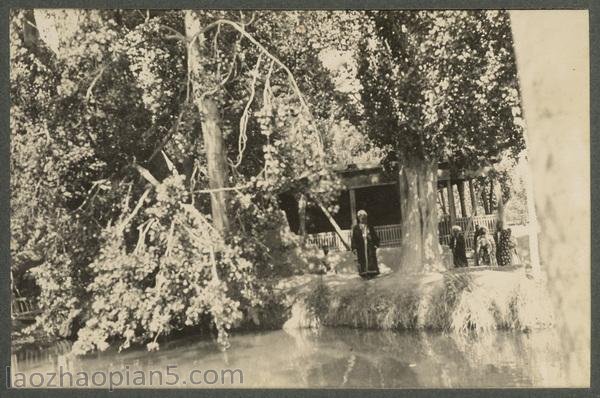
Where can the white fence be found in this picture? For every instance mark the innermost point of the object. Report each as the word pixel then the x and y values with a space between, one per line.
pixel 391 235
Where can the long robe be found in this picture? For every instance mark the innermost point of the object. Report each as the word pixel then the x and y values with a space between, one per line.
pixel 459 250
pixel 366 250
pixel 506 248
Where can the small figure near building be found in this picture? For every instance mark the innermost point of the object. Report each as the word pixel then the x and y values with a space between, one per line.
pixel 497 235
pixel 478 233
pixel 458 246
pixel 507 248
pixel 364 244
pixel 485 249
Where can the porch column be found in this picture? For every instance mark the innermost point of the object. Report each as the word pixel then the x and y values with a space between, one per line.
pixel 353 205
pixel 491 197
pixel 473 198
pixel 461 196
pixel 443 201
pixel 451 205
pixel 302 216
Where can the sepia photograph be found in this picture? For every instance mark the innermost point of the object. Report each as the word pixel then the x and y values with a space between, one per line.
pixel 253 198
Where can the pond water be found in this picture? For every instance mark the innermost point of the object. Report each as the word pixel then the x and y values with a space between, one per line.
pixel 331 358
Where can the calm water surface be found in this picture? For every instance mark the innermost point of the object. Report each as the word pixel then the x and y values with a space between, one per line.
pixel 338 358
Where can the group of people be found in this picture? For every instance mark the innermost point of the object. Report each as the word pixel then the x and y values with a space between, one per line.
pixel 490 250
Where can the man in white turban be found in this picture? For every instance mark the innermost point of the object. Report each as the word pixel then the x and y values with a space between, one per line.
pixel 364 244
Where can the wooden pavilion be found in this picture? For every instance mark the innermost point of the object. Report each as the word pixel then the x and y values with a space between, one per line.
pixel 371 188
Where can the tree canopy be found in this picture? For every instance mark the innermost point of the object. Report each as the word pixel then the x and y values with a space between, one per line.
pixel 441 85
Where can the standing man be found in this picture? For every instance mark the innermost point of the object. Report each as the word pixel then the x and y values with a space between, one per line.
pixel 457 244
pixel 364 244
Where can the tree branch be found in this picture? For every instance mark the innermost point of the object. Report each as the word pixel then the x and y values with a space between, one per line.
pixel 237 188
pixel 146 174
pixel 88 93
pixel 176 34
pixel 138 206
pixel 243 138
pixel 168 136
pixel 290 75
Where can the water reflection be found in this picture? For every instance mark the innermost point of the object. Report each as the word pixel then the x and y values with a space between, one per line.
pixel 340 358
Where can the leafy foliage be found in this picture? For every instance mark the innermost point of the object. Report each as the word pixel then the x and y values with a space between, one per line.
pixel 441 85
pixel 170 279
pixel 117 259
pixel 109 191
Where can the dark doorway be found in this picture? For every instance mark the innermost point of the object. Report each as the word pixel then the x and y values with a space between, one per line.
pixel 316 221
pixel 381 202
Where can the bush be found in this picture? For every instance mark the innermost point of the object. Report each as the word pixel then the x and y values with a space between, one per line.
pixel 178 271
pixel 317 302
pixel 457 302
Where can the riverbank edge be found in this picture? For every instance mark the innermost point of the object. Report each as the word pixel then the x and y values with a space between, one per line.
pixel 462 302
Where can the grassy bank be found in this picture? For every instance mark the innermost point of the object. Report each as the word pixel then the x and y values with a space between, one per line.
pixel 463 302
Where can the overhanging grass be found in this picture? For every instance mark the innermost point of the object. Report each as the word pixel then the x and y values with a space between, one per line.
pixel 461 302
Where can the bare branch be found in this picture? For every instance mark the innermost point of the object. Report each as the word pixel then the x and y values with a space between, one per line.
pixel 290 75
pixel 147 175
pixel 138 206
pixel 251 19
pixel 195 213
pixel 197 238
pixel 128 196
pixel 88 93
pixel 193 180
pixel 89 195
pixel 224 81
pixel 237 188
pixel 28 22
pixel 243 138
pixel 170 164
pixel 216 51
pixel 175 127
pixel 175 33
pixel 143 231
pixel 170 239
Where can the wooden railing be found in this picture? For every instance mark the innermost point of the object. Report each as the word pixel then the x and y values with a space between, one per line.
pixel 329 240
pixel 24 308
pixel 33 354
pixel 391 235
pixel 468 225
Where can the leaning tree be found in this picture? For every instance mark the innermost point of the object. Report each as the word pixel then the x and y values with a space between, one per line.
pixel 154 145
pixel 437 86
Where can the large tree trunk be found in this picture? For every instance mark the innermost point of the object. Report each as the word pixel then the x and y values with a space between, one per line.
pixel 210 120
pixel 420 248
pixel 473 198
pixel 484 200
